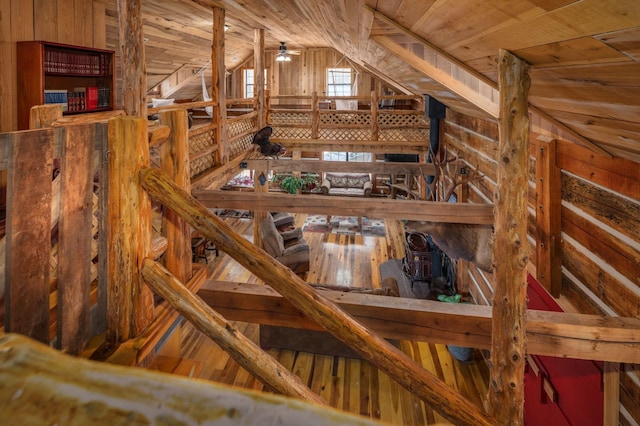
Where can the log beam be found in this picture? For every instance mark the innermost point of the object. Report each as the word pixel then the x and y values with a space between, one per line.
pixel 319 145
pixel 371 347
pixel 381 168
pixel 506 387
pixel 382 208
pixel 71 390
pixel 556 334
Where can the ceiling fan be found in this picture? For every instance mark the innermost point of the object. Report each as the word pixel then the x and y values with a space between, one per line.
pixel 283 53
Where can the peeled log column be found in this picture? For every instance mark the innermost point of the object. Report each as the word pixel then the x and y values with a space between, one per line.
pixel 506 386
pixel 371 347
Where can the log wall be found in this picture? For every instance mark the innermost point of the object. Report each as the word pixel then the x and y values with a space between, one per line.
pixel 600 227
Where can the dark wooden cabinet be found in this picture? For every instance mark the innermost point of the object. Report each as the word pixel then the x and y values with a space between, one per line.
pixel 82 78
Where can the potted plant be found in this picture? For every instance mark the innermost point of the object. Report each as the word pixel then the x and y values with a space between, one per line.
pixel 291 183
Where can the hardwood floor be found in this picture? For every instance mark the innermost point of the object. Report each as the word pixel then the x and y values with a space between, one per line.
pixel 345 383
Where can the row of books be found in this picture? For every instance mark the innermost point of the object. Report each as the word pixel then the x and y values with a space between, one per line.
pixel 63 62
pixel 79 99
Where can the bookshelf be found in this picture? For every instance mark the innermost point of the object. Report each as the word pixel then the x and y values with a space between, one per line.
pixel 82 78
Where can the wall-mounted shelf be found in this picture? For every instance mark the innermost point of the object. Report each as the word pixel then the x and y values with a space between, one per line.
pixel 82 78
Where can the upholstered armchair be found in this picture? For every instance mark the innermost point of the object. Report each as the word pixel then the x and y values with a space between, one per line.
pixel 288 248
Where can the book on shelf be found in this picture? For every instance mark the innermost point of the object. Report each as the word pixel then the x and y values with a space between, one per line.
pixel 92 98
pixel 57 97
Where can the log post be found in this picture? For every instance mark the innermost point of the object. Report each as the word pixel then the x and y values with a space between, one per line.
pixel 129 299
pixel 506 387
pixel 134 72
pixel 548 210
pixel 41 116
pixel 315 115
pixel 218 87
pixel 239 347
pixel 375 125
pixel 611 378
pixel 258 215
pixel 370 346
pixel 258 76
pixel 175 162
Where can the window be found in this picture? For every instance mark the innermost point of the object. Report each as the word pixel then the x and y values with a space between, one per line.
pixel 339 82
pixel 249 81
pixel 347 156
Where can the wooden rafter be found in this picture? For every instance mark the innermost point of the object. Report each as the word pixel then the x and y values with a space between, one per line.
pixel 470 81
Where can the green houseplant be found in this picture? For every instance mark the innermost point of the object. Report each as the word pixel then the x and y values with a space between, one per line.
pixel 291 183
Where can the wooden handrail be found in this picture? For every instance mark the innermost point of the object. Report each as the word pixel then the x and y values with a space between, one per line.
pixel 371 347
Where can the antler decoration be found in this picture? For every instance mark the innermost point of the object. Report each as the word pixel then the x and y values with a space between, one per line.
pixel 447 176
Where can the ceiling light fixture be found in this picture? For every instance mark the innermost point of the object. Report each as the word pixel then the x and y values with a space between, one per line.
pixel 283 55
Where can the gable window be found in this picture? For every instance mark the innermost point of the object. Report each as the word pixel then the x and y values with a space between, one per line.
pixel 249 82
pixel 339 82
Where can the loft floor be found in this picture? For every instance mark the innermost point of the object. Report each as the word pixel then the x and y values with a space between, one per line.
pixel 348 384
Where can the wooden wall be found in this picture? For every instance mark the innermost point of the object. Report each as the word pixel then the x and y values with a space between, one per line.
pixel 600 213
pixel 77 22
pixel 303 75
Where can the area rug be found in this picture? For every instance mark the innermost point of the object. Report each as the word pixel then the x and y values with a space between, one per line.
pixel 232 213
pixel 344 225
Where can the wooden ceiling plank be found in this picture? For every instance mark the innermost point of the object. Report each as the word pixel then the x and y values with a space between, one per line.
pixel 580 140
pixel 446 79
pixel 585 50
pixel 412 35
pixel 164 24
pixel 625 41
pixel 579 19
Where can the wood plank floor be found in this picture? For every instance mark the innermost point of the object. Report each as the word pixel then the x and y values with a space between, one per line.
pixel 347 384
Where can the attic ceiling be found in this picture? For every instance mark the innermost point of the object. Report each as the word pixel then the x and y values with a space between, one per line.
pixel 584 55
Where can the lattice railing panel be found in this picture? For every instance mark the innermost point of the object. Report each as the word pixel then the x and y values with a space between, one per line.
pixel 201 164
pixel 240 145
pixel 402 120
pixel 289 118
pixel 345 134
pixel 201 139
pixel 345 119
pixel 403 135
pixel 291 133
pixel 236 128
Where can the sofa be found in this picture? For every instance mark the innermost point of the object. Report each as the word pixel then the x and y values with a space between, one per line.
pixel 347 184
